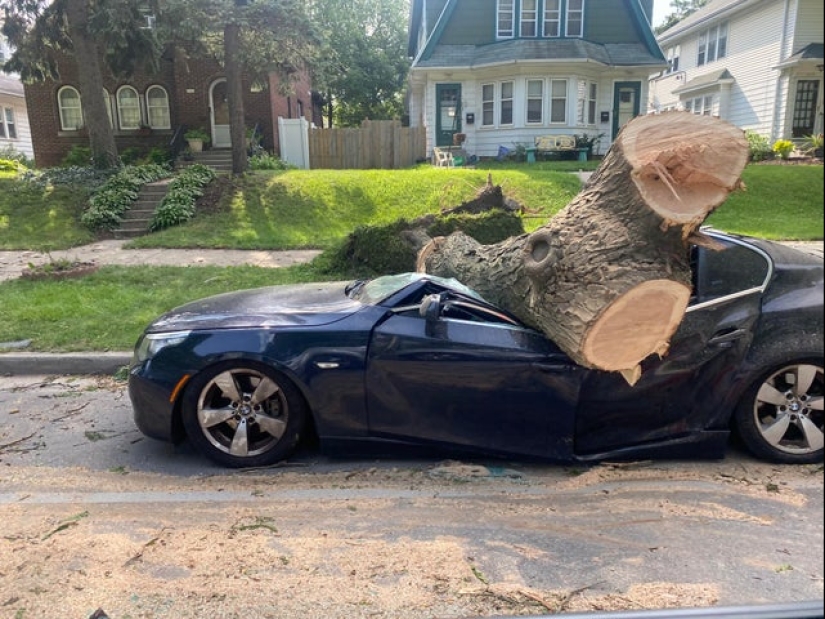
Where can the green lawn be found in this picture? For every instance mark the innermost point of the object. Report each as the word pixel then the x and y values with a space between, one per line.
pixel 294 209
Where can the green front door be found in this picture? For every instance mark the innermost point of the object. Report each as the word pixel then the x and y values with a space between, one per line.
pixel 626 97
pixel 448 113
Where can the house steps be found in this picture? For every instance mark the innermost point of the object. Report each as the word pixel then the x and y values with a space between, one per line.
pixel 135 221
pixel 219 159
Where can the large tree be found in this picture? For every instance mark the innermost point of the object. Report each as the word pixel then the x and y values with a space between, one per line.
pixel 681 9
pixel 90 30
pixel 363 65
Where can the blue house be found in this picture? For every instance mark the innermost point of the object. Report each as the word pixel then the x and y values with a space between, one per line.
pixel 504 72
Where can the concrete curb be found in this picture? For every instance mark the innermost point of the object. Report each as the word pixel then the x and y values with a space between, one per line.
pixel 32 363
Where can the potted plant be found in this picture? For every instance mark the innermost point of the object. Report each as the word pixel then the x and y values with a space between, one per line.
pixel 196 138
pixel 459 139
pixel 812 145
pixel 585 143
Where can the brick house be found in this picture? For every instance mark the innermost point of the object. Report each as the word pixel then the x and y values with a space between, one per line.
pixel 149 110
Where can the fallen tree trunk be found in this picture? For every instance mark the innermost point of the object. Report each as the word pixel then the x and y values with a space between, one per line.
pixel 608 278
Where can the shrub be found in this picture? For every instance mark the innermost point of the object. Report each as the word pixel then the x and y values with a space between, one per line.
pixel 8 165
pixel 131 155
pixel 265 161
pixel 78 156
pixel 783 148
pixel 178 206
pixel 118 193
pixel 9 153
pixel 87 178
pixel 758 146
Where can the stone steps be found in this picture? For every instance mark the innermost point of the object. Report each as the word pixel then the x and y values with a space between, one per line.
pixel 135 221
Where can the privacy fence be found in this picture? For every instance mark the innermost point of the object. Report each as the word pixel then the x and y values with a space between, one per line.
pixel 375 144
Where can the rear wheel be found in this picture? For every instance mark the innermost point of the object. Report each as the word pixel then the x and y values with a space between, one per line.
pixel 243 414
pixel 781 417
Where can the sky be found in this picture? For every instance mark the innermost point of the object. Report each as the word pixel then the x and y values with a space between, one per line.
pixel 661 9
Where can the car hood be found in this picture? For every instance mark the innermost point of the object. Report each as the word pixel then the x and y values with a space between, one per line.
pixel 293 305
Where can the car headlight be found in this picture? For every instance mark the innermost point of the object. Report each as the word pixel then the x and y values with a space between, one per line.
pixel 152 343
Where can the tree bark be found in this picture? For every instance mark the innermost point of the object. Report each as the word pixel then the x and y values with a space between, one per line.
pixel 234 96
pixel 608 278
pixel 95 114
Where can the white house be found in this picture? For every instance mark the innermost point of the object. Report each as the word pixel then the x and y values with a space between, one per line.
pixel 755 63
pixel 14 119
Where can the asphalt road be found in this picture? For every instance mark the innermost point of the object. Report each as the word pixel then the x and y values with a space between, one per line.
pixel 93 515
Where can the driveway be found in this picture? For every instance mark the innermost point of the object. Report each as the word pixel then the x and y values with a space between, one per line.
pixel 96 516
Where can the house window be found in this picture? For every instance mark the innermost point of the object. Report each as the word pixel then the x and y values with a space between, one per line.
pixel 71 113
pixel 128 108
pixel 673 59
pixel 558 101
pixel 7 127
pixel 586 107
pixel 535 101
pixel 157 108
pixel 701 106
pixel 505 17
pixel 804 108
pixel 529 17
pixel 552 18
pixel 107 100
pixel 713 44
pixel 506 117
pixel 575 18
pixel 488 103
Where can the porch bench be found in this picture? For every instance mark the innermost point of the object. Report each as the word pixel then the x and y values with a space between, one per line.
pixel 555 144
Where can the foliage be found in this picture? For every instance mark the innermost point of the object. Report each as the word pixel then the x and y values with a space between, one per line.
pixel 9 153
pixel 85 178
pixel 78 156
pixel 783 148
pixel 266 161
pixel 131 155
pixel 118 193
pixel 812 144
pixel 197 133
pixel 759 147
pixel 9 165
pixel 681 9
pixel 178 205
pixel 382 249
pixel 362 65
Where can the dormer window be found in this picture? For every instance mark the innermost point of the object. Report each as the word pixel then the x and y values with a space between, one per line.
pixel 552 18
pixel 575 18
pixel 529 19
pixel 505 18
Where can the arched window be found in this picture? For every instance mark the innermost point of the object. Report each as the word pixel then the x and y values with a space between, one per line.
pixel 71 112
pixel 157 107
pixel 128 108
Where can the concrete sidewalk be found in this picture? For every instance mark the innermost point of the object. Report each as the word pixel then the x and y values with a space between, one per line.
pixel 15 361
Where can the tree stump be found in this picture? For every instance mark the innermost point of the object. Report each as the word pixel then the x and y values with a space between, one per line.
pixel 608 278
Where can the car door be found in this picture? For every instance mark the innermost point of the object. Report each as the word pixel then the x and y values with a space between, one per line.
pixel 680 393
pixel 469 378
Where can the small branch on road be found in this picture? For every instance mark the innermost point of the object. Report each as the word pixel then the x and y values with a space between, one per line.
pixel 71 412
pixel 17 442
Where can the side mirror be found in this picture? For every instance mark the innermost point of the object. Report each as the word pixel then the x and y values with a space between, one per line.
pixel 431 307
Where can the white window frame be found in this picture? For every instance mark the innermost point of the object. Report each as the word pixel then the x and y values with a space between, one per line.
pixel 528 97
pixel 164 121
pixel 504 9
pixel 488 105
pixel 63 109
pixel 554 98
pixel 122 116
pixel 529 19
pixel 502 100
pixel 703 105
pixel 712 44
pixel 8 125
pixel 573 16
pixel 673 54
pixel 107 98
pixel 587 98
pixel 551 24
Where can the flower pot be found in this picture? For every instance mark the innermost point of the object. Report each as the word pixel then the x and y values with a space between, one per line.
pixel 195 146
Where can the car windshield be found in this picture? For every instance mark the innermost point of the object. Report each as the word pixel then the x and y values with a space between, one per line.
pixel 376 290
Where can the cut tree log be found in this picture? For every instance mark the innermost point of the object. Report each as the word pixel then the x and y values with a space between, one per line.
pixel 608 278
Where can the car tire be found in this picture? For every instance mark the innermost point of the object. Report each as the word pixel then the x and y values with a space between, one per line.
pixel 780 416
pixel 243 414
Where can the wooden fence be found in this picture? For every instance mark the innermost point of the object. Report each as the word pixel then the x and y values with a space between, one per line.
pixel 375 144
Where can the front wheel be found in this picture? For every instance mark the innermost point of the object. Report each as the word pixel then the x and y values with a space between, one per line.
pixel 243 414
pixel 780 418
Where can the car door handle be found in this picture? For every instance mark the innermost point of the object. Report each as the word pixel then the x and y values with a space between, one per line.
pixel 726 337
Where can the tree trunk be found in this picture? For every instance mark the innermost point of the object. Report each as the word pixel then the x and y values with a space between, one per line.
pixel 608 278
pixel 234 96
pixel 95 114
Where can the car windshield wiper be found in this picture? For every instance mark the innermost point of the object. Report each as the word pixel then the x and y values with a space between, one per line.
pixel 354 288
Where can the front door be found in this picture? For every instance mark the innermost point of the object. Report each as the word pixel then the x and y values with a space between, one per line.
pixel 626 97
pixel 448 113
pixel 219 108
